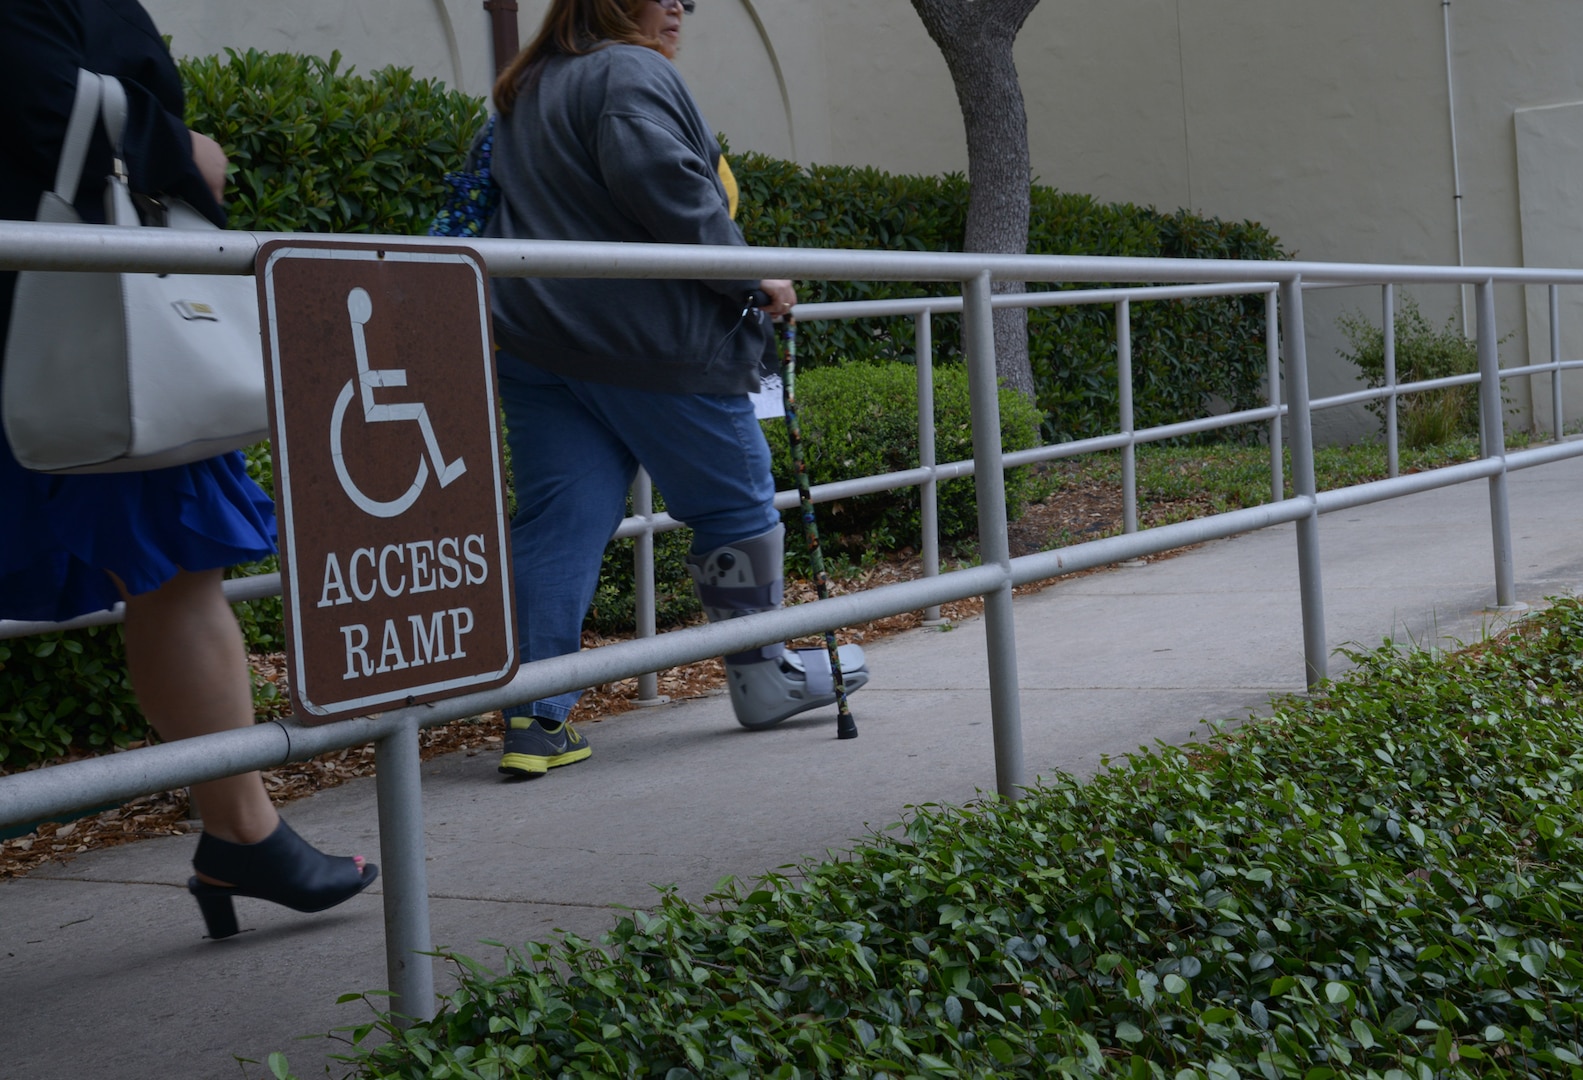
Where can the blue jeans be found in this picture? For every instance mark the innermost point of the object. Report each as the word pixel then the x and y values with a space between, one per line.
pixel 575 448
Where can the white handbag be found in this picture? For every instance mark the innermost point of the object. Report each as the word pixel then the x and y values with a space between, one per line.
pixel 109 372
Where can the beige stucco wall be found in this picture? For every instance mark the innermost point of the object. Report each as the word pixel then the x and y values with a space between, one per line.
pixel 1549 165
pixel 757 66
pixel 1328 123
pixel 444 39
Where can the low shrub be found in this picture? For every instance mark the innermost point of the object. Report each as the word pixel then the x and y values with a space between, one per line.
pixel 861 420
pixel 262 620
pixel 1384 881
pixel 65 692
pixel 1423 351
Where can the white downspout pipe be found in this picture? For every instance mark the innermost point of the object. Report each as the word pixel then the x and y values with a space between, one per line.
pixel 1456 166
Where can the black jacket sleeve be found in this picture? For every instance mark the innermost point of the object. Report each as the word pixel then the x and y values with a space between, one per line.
pixel 42 44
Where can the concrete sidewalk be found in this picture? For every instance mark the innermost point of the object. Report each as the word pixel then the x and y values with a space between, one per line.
pixel 106 974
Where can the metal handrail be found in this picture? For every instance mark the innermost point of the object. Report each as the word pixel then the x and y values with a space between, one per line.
pixel 63 788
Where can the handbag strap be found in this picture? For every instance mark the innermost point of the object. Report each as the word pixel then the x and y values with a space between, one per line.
pixel 118 206
pixel 112 108
pixel 79 129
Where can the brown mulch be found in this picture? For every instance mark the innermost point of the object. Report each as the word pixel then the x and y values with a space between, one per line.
pixel 1079 511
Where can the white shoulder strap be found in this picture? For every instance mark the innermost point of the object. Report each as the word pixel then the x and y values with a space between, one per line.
pixel 113 108
pixel 79 129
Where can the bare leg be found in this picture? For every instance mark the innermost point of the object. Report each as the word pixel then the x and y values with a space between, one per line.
pixel 188 664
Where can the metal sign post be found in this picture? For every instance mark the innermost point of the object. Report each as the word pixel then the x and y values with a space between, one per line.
pixel 390 493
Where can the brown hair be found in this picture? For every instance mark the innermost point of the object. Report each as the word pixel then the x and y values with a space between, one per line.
pixel 572 28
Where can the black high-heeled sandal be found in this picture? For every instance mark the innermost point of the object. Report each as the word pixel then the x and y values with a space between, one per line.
pixel 283 868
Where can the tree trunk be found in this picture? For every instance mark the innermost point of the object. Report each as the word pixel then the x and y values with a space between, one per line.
pixel 976 38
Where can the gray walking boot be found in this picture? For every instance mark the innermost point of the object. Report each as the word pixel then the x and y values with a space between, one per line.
pixel 767 684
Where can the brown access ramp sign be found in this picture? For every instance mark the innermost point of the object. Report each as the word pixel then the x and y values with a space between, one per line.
pixel 389 478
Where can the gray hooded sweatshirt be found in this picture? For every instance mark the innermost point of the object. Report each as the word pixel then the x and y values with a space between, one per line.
pixel 611 146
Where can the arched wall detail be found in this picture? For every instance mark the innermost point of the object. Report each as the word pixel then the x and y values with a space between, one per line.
pixel 780 76
pixel 453 48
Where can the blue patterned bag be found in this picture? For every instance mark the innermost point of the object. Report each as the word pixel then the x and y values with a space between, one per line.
pixel 473 193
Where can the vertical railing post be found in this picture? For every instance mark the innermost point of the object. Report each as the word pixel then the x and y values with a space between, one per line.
pixel 1492 432
pixel 1272 379
pixel 1310 581
pixel 399 790
pixel 929 490
pixel 994 545
pixel 643 581
pixel 1393 461
pixel 1556 418
pixel 1129 452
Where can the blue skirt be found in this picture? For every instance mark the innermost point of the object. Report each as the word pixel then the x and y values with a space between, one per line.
pixel 60 534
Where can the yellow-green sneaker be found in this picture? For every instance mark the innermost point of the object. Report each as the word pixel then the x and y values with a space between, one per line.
pixel 535 746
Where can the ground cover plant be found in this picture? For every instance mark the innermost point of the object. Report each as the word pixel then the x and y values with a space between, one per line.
pixel 1384 880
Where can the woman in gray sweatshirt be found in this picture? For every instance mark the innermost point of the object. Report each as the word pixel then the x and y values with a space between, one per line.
pixel 599 138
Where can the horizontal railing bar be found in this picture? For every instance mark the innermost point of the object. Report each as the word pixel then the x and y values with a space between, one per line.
pixel 1540 369
pixel 48 793
pixel 1352 397
pixel 1043 565
pixel 1445 476
pixel 40 794
pixel 17 628
pixel 1096 444
pixel 1208 423
pixel 28 244
pixel 1409 484
pixel 253 587
pixel 661 521
pixel 862 309
pixel 1528 458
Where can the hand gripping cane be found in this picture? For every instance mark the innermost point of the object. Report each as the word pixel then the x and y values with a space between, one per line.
pixel 845 726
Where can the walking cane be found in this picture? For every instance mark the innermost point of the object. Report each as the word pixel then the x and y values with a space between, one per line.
pixel 845 726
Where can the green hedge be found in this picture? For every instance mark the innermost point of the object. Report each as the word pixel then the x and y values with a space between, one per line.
pixel 314 148
pixel 1383 882
pixel 1186 354
pixel 65 692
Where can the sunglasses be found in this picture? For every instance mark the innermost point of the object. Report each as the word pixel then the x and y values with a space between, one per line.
pixel 687 6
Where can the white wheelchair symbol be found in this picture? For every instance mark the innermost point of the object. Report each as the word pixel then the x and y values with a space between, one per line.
pixel 361 308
